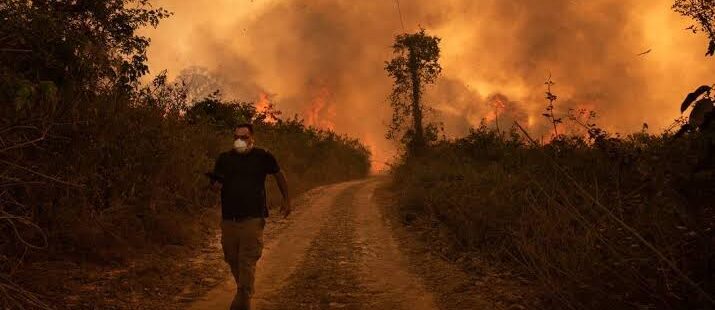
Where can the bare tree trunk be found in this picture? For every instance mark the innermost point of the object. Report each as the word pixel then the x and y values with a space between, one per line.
pixel 418 141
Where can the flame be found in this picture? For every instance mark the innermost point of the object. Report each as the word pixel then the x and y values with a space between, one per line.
pixel 378 160
pixel 263 102
pixel 321 111
pixel 498 103
pixel 264 105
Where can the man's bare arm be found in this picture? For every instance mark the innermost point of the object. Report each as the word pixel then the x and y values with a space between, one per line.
pixel 283 186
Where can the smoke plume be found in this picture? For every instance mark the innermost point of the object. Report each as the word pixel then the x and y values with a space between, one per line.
pixel 324 59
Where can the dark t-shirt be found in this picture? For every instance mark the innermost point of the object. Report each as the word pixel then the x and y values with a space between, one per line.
pixel 243 193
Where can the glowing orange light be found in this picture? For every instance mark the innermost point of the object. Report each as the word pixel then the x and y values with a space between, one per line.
pixel 321 111
pixel 264 105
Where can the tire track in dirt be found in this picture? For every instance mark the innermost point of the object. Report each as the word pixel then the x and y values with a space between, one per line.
pixel 326 277
pixel 285 244
pixel 384 268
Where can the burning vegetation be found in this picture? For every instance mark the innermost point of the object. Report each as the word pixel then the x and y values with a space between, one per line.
pixel 98 166
pixel 595 219
pixel 98 169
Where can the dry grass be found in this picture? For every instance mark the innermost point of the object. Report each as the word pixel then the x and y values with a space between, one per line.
pixel 612 222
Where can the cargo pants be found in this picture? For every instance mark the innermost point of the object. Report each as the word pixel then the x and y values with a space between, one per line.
pixel 242 243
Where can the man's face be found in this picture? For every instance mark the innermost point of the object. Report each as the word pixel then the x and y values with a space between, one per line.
pixel 244 134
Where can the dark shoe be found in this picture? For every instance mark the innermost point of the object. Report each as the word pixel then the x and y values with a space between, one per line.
pixel 242 301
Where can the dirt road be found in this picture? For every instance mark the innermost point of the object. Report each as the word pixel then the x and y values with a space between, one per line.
pixel 339 251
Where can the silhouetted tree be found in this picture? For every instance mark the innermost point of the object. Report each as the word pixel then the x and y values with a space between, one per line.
pixel 200 82
pixel 219 113
pixel 703 12
pixel 702 114
pixel 416 63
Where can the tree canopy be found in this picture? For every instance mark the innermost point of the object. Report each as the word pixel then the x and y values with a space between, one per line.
pixel 415 64
pixel 81 46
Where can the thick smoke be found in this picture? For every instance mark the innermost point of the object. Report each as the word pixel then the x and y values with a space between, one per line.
pixel 324 59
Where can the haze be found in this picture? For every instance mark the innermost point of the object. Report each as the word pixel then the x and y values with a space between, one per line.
pixel 323 60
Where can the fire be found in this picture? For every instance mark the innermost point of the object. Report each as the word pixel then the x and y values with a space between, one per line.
pixel 265 106
pixel 263 102
pixel 321 111
pixel 379 158
pixel 498 105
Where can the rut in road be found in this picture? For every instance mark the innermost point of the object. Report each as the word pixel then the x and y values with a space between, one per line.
pixel 337 252
pixel 327 276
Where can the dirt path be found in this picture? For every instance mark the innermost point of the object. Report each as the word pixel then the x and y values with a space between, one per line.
pixel 338 252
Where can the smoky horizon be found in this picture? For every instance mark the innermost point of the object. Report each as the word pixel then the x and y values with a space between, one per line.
pixel 324 60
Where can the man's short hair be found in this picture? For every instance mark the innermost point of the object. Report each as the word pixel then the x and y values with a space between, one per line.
pixel 249 126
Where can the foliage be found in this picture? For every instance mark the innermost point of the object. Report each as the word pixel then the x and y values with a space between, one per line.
pixel 598 220
pixel 95 167
pixel 81 46
pixel 58 58
pixel 703 12
pixel 520 203
pixel 416 63
pixel 702 114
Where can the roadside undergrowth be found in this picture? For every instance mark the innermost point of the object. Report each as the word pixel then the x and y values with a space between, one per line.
pixel 598 220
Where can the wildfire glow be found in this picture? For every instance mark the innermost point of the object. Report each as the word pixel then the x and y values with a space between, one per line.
pixel 498 105
pixel 378 158
pixel 321 111
pixel 530 121
pixel 264 105
pixel 488 47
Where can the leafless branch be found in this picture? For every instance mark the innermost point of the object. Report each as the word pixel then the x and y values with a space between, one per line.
pixel 20 298
pixel 24 144
pixel 39 173
pixel 13 220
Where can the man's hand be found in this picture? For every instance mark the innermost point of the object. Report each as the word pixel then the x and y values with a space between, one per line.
pixel 286 207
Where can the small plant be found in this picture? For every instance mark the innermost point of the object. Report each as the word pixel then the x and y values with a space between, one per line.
pixel 549 112
pixel 586 120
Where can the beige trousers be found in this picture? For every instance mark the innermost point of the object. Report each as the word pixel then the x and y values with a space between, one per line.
pixel 242 243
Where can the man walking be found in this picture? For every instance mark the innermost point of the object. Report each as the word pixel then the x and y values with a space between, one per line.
pixel 241 175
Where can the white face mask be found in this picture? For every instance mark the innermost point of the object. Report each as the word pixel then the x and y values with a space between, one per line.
pixel 240 145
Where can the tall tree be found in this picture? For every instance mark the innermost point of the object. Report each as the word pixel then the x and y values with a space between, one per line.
pixel 416 63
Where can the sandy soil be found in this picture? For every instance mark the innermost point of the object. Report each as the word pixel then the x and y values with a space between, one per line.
pixel 340 250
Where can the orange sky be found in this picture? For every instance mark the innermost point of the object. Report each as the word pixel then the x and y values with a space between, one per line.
pixel 324 59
